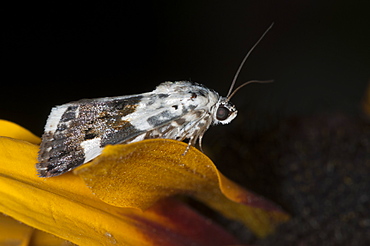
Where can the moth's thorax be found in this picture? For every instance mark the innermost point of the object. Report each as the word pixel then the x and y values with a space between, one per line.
pixel 192 93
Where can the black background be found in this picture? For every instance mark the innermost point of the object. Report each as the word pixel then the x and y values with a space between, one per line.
pixel 317 52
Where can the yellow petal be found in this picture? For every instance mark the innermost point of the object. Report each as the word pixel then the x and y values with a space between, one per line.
pixel 40 238
pixel 139 174
pixel 15 233
pixel 10 129
pixel 65 207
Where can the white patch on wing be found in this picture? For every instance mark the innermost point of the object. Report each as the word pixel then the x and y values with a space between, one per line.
pixel 180 98
pixel 91 148
pixel 137 139
pixel 54 117
pixel 77 113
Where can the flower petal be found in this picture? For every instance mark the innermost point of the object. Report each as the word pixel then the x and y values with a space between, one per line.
pixel 156 169
pixel 15 233
pixel 65 207
pixel 12 130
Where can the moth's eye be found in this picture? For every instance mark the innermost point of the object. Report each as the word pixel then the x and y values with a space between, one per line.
pixel 222 113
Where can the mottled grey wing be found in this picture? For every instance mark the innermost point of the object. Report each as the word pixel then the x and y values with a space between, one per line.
pixel 77 131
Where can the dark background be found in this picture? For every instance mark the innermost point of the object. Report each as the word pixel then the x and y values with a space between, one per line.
pixel 317 52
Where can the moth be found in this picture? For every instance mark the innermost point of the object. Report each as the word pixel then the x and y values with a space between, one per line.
pixel 76 132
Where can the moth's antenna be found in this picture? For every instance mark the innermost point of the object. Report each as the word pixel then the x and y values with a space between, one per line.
pixel 245 58
pixel 246 83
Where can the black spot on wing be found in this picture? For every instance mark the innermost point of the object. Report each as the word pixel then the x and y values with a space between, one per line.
pixel 90 133
pixel 69 114
pixel 203 92
pixel 162 96
pixel 120 135
pixel 161 118
pixel 188 108
pixel 122 106
pixel 191 107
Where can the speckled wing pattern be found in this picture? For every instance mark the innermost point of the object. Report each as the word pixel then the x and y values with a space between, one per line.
pixel 76 132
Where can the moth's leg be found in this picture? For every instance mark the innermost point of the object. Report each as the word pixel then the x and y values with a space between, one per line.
pixel 169 129
pixel 200 142
pixel 197 135
pixel 200 133
pixel 189 144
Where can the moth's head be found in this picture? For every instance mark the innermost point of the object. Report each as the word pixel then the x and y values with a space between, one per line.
pixel 224 111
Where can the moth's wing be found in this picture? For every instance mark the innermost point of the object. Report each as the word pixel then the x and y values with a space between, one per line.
pixel 76 132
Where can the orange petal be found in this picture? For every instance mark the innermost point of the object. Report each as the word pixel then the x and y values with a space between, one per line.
pixel 139 174
pixel 15 233
pixel 65 207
